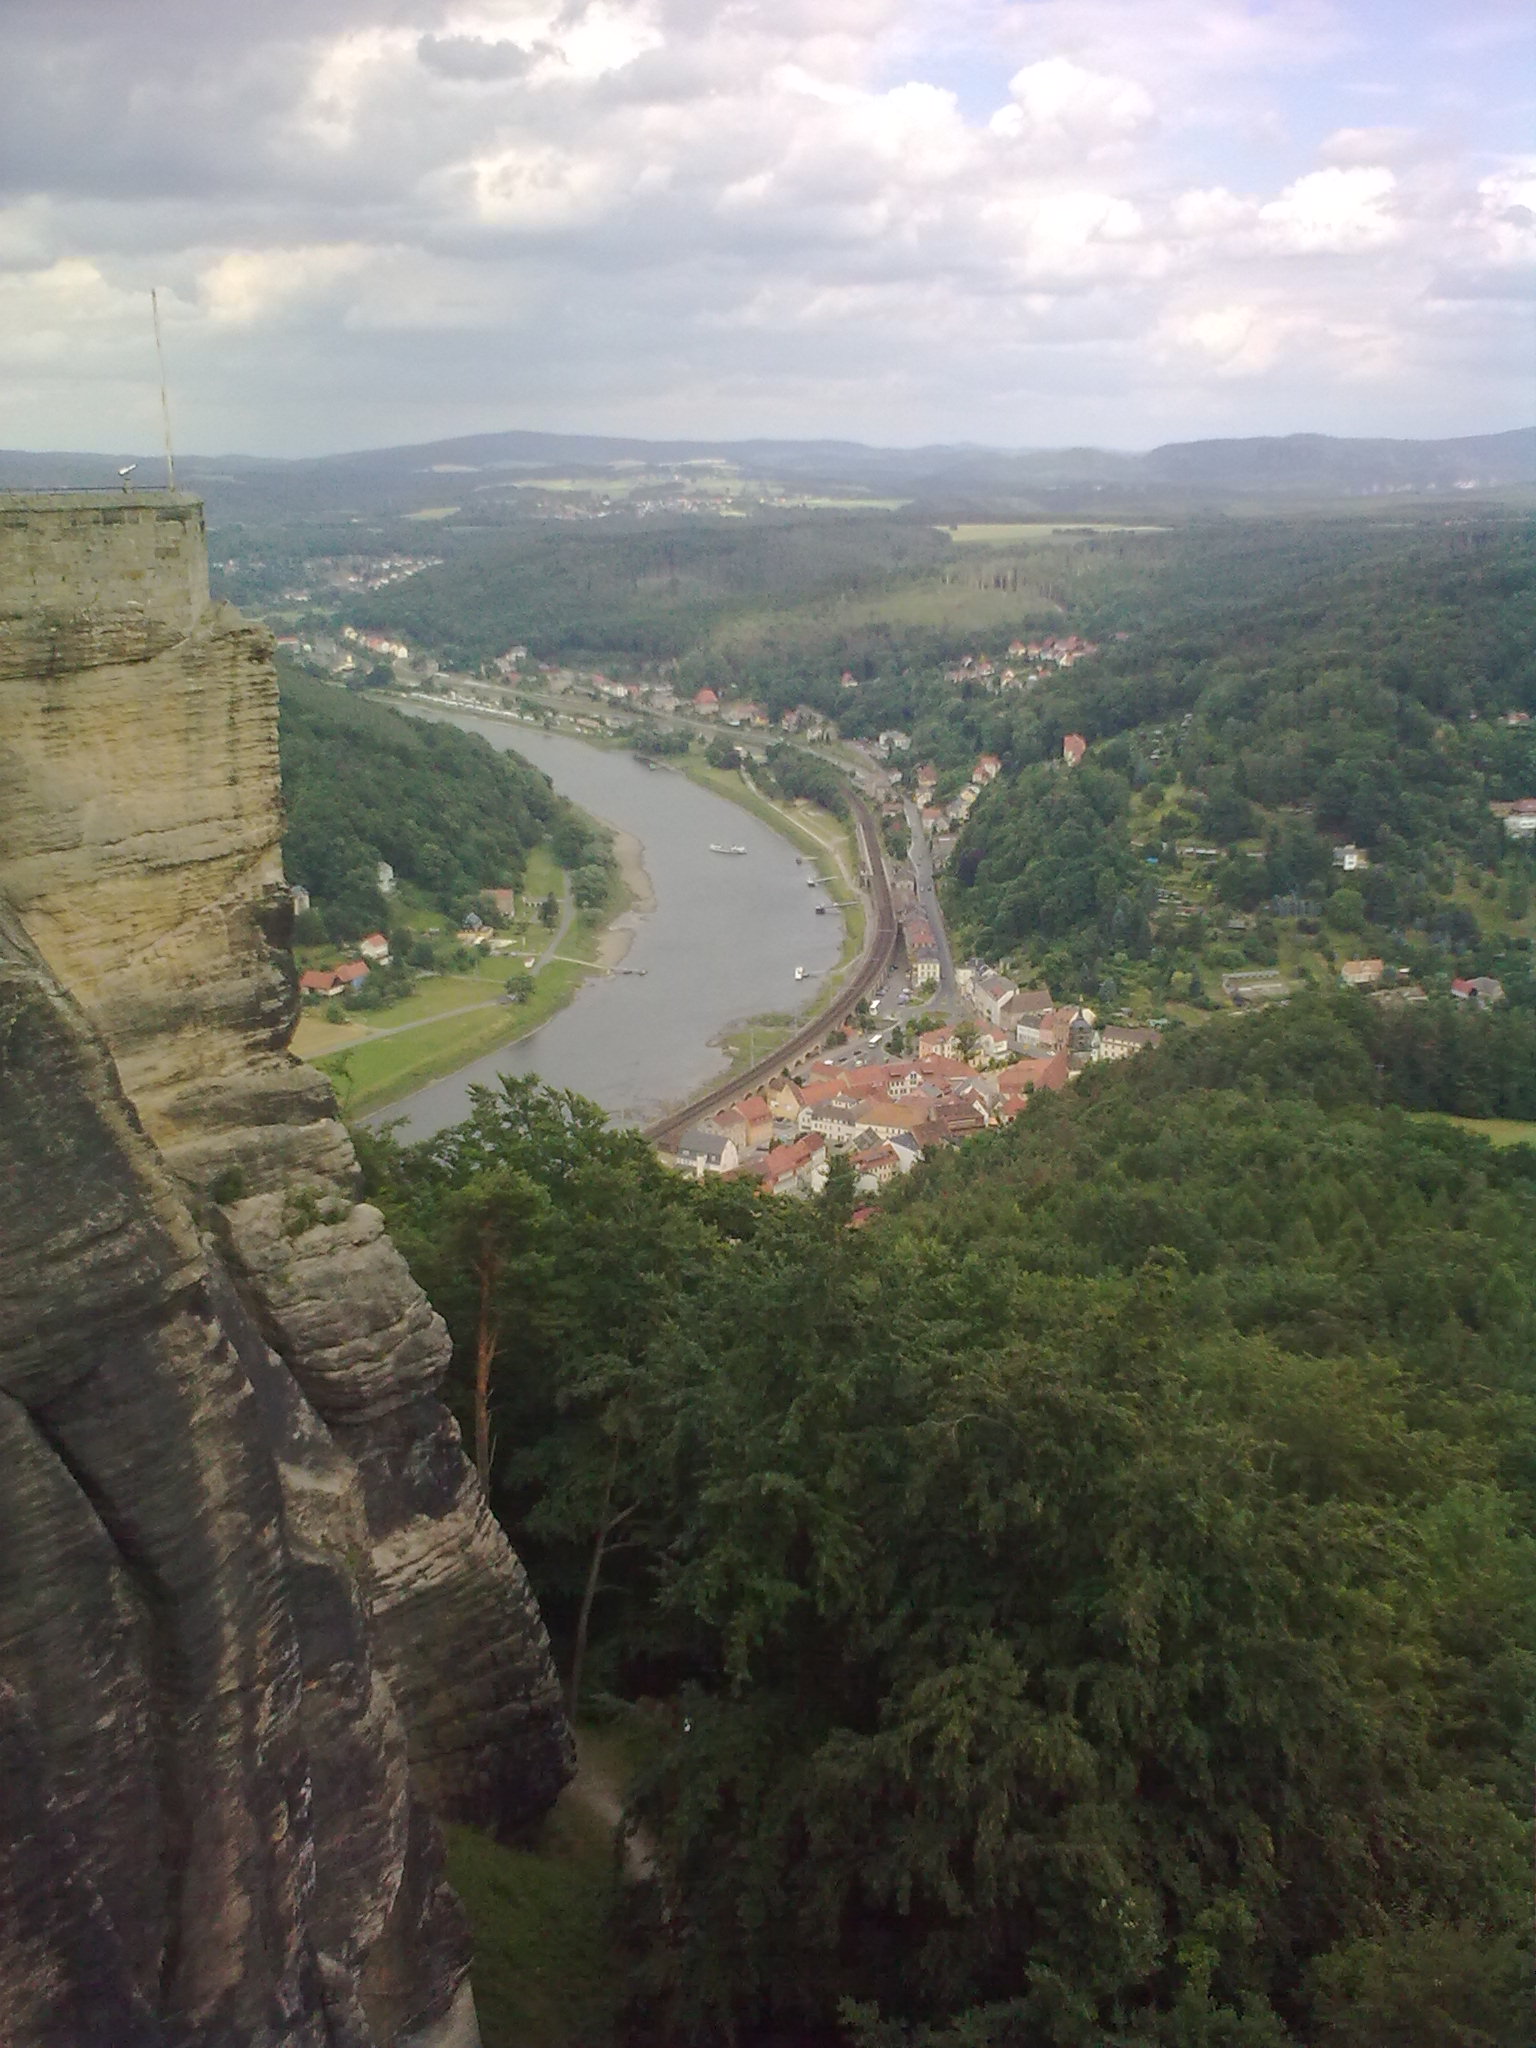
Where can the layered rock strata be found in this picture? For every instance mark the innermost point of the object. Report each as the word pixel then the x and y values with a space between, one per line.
pixel 255 1620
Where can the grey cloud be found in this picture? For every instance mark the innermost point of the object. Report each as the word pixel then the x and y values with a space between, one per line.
pixel 472 58
pixel 1491 283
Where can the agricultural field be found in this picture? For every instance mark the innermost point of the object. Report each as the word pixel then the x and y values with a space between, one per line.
pixel 1035 533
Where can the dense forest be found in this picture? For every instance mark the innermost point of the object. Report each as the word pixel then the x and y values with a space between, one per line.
pixel 635 591
pixel 1280 691
pixel 1099 1592
pixel 364 784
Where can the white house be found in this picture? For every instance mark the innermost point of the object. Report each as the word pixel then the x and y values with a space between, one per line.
pixel 700 1151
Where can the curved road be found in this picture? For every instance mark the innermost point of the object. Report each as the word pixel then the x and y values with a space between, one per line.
pixel 879 945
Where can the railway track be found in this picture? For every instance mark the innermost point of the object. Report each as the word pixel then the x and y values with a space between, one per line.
pixel 879 945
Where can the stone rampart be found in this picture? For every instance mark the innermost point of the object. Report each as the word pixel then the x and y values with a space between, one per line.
pixel 97 575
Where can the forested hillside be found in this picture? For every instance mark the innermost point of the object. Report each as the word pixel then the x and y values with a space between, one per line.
pixel 1099 1593
pixel 1278 692
pixel 643 591
pixel 364 784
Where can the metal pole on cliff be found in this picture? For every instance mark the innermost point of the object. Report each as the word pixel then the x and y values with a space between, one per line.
pixel 165 403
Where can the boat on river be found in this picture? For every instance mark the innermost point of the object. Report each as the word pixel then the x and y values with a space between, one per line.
pixel 799 974
pixel 715 847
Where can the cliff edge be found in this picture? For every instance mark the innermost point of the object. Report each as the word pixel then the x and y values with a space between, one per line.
pixel 257 1625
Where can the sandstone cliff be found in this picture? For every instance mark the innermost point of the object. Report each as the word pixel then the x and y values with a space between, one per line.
pixel 256 1623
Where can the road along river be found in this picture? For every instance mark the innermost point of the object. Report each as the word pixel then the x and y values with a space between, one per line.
pixel 720 945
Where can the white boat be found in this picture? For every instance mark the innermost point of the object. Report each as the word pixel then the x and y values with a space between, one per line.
pixel 799 974
pixel 725 849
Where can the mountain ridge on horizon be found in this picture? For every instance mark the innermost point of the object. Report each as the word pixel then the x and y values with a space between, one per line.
pixel 407 476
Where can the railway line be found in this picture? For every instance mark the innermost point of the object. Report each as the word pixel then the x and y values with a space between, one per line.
pixel 872 963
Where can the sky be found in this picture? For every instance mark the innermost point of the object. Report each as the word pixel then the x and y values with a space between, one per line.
pixel 1025 223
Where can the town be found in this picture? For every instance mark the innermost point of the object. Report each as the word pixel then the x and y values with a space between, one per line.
pixel 885 1113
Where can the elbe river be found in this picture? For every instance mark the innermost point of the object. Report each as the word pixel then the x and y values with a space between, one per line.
pixel 720 945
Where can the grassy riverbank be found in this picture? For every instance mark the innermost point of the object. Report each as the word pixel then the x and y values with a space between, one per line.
pixel 406 1045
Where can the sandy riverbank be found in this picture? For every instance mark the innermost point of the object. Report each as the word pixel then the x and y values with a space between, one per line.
pixel 618 936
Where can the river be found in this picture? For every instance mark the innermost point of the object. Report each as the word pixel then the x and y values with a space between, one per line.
pixel 720 944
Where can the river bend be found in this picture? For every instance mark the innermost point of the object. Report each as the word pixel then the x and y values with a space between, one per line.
pixel 721 943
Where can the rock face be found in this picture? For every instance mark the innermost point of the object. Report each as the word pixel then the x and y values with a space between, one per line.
pixel 256 1623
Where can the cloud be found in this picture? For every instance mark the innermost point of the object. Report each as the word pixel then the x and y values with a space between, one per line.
pixel 1333 212
pixel 245 286
pixel 474 58
pixel 1057 102
pixel 1369 145
pixel 439 214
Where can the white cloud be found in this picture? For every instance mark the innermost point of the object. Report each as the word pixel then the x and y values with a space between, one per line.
pixel 1056 102
pixel 1506 214
pixel 1236 340
pixel 600 39
pixel 246 286
pixel 1211 211
pixel 1333 212
pixel 542 188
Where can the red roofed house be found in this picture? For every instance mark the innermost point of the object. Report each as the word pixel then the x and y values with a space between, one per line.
pixel 903 1078
pixel 749 1122
pixel 875 1167
pixel 706 701
pixel 938 1066
pixel 1024 1076
pixel 320 981
pixel 896 1116
pixel 1073 748
pixel 1482 992
pixel 865 1084
pixel 960 1116
pixel 353 972
pixel 988 768
pixel 783 1098
pixel 814 1097
pixel 374 948
pixel 797 1169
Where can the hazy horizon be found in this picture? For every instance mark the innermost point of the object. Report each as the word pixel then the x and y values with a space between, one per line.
pixel 151 456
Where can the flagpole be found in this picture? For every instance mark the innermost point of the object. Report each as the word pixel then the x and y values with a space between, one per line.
pixel 165 404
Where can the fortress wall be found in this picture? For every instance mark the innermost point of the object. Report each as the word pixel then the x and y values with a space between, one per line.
pixel 88 576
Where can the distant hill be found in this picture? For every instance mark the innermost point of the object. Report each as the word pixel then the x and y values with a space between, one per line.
pixel 384 482
pixel 1319 462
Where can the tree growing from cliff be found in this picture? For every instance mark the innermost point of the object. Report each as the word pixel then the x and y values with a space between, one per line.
pixel 557 1249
